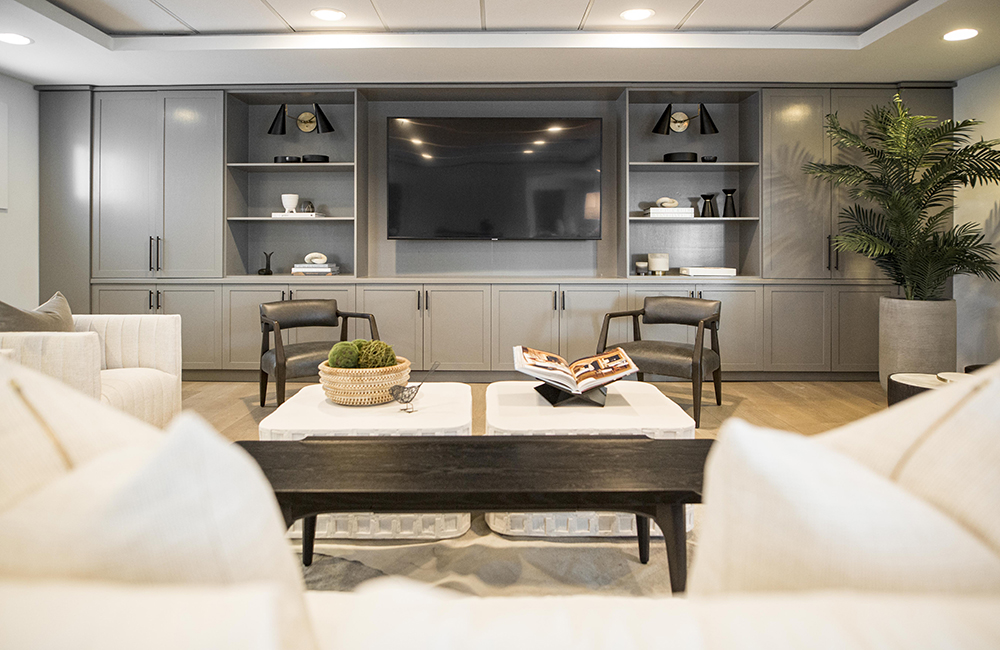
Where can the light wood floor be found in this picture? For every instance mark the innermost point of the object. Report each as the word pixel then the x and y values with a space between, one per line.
pixel 806 407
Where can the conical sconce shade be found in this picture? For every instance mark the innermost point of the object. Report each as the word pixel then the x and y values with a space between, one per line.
pixel 322 124
pixel 663 124
pixel 278 125
pixel 707 125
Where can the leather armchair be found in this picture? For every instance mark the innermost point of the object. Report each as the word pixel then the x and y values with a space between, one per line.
pixel 686 360
pixel 298 359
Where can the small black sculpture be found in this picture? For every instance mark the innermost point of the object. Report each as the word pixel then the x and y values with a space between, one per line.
pixel 708 208
pixel 405 394
pixel 730 209
pixel 267 265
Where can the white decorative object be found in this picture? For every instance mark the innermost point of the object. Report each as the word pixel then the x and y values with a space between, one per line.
pixel 315 258
pixel 290 201
pixel 669 213
pixel 659 262
pixel 666 202
pixel 704 271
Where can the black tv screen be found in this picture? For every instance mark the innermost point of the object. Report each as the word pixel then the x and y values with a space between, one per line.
pixel 494 178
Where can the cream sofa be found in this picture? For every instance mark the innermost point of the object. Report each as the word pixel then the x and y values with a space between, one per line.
pixel 882 534
pixel 132 362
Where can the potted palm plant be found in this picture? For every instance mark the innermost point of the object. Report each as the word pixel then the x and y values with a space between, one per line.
pixel 913 167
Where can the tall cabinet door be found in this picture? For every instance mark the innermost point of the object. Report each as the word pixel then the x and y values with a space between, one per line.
pixel 524 314
pixel 128 172
pixel 241 334
pixel 398 316
pixel 123 299
pixel 797 326
pixel 741 325
pixel 192 184
pixel 855 327
pixel 457 326
pixel 582 313
pixel 850 106
pixel 200 309
pixel 796 218
pixel 344 295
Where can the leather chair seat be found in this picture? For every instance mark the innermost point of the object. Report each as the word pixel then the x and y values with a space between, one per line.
pixel 668 358
pixel 301 359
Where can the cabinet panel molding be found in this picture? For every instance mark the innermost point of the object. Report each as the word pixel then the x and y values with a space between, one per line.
pixel 797 328
pixel 523 314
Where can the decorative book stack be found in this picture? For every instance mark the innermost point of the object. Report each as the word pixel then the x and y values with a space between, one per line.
pixel 669 213
pixel 297 215
pixel 328 268
pixel 703 271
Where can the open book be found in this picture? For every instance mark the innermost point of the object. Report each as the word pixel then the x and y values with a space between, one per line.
pixel 577 377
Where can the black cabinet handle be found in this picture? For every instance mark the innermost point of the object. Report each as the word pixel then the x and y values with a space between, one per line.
pixel 157 301
pixel 691 293
pixel 282 295
pixel 836 264
pixel 699 295
pixel 829 251
pixel 158 267
pixel 427 300
pixel 555 300
pixel 290 294
pixel 150 296
pixel 150 254
pixel 418 300
pixel 564 301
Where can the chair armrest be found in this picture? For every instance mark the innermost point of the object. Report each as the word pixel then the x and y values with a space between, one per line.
pixel 279 345
pixel 71 357
pixel 136 340
pixel 602 341
pixel 361 316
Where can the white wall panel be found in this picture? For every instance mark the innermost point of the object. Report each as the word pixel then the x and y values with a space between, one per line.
pixel 444 15
pixel 534 15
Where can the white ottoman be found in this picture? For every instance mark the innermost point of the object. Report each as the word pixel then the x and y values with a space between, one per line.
pixel 440 409
pixel 631 408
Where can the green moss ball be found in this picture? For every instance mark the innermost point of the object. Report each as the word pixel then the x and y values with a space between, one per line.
pixel 377 354
pixel 360 344
pixel 343 355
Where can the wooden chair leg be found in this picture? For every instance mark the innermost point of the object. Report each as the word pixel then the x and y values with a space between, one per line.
pixel 279 384
pixel 717 378
pixel 639 376
pixel 696 394
pixel 263 387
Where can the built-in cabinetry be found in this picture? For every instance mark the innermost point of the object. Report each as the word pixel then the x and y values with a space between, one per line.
pixel 157 184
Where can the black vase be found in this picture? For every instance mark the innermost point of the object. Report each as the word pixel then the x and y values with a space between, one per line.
pixel 730 209
pixel 267 265
pixel 708 208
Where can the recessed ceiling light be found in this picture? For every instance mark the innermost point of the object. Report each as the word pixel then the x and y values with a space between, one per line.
pixel 538 142
pixel 529 151
pixel 427 156
pixel 637 14
pixel 415 141
pixel 15 39
pixel 961 34
pixel 328 14
pixel 555 128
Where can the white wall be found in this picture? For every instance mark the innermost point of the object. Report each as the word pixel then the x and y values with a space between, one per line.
pixel 19 223
pixel 978 97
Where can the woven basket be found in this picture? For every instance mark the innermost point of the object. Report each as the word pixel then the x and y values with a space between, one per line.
pixel 363 386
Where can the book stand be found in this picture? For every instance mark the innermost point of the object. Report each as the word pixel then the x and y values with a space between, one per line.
pixel 557 396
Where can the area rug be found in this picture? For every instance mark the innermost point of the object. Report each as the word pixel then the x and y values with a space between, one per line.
pixel 482 563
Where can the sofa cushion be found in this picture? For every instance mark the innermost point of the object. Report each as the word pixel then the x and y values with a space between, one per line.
pixel 46 428
pixel 146 393
pixel 52 316
pixel 785 513
pixel 190 509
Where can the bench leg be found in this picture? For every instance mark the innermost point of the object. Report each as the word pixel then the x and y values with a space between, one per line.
pixel 308 538
pixel 670 519
pixel 642 529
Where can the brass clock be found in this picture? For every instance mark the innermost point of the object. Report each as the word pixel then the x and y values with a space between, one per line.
pixel 306 122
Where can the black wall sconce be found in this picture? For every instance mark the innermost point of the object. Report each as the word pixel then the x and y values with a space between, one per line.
pixel 679 121
pixel 306 121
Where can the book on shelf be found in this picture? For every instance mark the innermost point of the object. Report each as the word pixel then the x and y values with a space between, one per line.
pixel 577 377
pixel 325 265
pixel 323 272
pixel 669 213
pixel 297 215
pixel 723 271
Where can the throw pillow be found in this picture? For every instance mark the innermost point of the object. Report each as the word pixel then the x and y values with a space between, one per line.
pixel 52 316
pixel 785 513
pixel 191 509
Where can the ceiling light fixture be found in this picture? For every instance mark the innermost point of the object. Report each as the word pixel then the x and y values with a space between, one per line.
pixel 961 34
pixel 637 14
pixel 555 128
pixel 15 39
pixel 328 14
pixel 538 142
pixel 415 141
pixel 427 156
pixel 529 151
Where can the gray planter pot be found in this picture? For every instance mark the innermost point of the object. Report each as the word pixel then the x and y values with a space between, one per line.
pixel 916 336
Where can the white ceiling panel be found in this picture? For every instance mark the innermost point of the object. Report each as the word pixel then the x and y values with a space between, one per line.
pixel 534 15
pixel 361 15
pixel 123 16
pixel 225 16
pixel 843 15
pixel 756 15
pixel 439 15
pixel 605 15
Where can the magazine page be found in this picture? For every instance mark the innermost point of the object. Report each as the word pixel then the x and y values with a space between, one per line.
pixel 549 367
pixel 601 369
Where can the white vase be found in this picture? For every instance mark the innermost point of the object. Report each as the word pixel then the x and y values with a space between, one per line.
pixel 290 201
pixel 916 336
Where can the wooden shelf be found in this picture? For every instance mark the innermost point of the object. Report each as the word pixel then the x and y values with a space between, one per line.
pixel 690 166
pixel 691 219
pixel 293 167
pixel 277 219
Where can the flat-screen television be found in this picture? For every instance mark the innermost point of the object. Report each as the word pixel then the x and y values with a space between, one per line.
pixel 494 178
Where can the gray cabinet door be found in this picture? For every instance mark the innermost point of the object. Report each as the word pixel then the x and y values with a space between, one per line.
pixel 850 106
pixel 855 327
pixel 123 299
pixel 524 314
pixel 672 333
pixel 797 328
pixel 582 309
pixel 193 160
pixel 344 295
pixel 398 316
pixel 200 309
pixel 128 145
pixel 741 325
pixel 796 215
pixel 241 323
pixel 457 326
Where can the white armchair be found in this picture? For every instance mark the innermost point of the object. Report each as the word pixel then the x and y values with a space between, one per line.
pixel 132 362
